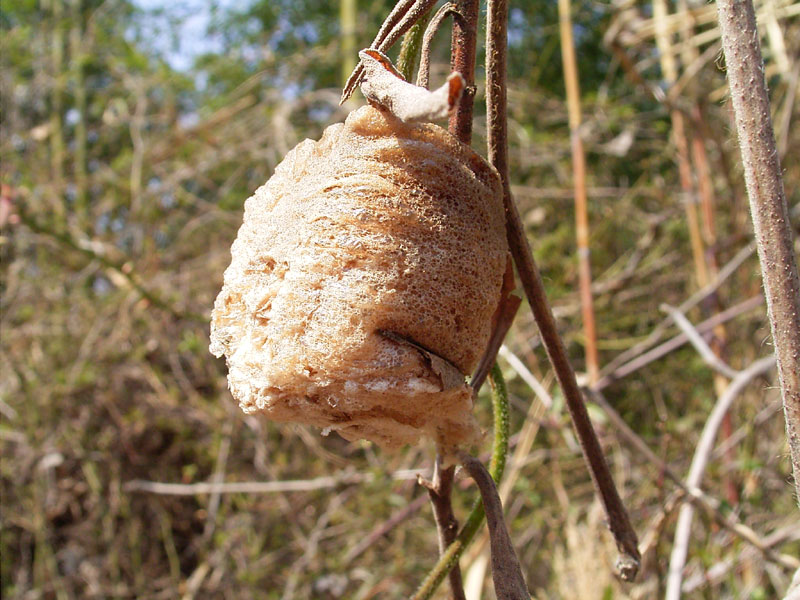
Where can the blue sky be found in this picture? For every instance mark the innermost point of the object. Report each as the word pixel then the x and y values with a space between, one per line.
pixel 193 17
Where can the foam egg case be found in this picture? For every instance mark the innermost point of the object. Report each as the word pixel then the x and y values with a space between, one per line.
pixel 363 282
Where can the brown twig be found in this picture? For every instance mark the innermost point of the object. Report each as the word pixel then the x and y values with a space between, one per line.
pixel 402 18
pixel 440 490
pixel 768 208
pixel 676 342
pixel 462 59
pixel 628 564
pixel 509 584
pixel 444 11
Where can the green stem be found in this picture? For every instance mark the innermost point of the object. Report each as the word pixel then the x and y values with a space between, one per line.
pixel 450 557
pixel 411 46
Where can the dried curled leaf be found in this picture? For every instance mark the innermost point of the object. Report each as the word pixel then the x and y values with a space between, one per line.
pixel 449 376
pixel 383 85
pixel 380 226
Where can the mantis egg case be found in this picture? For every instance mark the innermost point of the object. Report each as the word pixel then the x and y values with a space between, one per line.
pixel 363 282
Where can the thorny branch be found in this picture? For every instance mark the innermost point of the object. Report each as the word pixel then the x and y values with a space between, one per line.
pixel 768 208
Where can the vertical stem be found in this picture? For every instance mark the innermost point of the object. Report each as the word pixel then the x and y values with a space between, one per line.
pixel 690 198
pixel 462 59
pixel 496 95
pixel 440 493
pixel 719 340
pixel 347 31
pixel 768 208
pixel 411 46
pixel 79 158
pixel 669 71
pixel 57 98
pixel 579 182
pixel 619 523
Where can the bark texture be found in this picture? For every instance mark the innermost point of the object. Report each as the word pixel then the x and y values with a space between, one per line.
pixel 773 232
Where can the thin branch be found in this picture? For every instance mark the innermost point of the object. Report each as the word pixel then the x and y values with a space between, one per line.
pixel 699 461
pixel 619 522
pixel 397 13
pixel 570 67
pixel 708 355
pixel 258 487
pixel 768 208
pixel 793 593
pixel 678 341
pixel 120 268
pixel 423 76
pixel 655 335
pixel 519 367
pixel 440 490
pixel 694 495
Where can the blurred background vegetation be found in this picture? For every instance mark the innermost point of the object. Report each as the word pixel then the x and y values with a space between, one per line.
pixel 132 133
